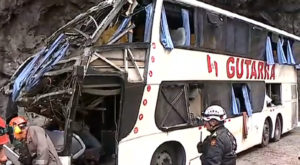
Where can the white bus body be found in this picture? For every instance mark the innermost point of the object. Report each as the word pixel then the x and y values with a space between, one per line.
pixel 191 65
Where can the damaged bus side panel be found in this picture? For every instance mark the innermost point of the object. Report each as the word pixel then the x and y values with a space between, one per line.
pixel 89 79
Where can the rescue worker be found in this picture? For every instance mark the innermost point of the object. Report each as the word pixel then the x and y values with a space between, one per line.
pixel 219 147
pixel 39 145
pixel 4 139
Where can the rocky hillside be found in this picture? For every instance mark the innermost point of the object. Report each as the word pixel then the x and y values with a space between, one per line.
pixel 24 24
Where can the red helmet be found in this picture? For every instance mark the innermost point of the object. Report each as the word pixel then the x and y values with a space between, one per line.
pixel 3 136
pixel 17 121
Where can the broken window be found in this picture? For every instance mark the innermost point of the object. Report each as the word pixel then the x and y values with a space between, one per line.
pixel 177 26
pixel 195 96
pixel 257 95
pixel 290 54
pixel 269 51
pixel 182 104
pixel 274 38
pixel 273 91
pixel 217 93
pixel 213 35
pixel 172 107
pixel 133 24
pixel 243 98
pixel 281 54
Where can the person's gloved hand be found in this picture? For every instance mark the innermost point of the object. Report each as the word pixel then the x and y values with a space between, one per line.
pixel 25 156
pixel 25 160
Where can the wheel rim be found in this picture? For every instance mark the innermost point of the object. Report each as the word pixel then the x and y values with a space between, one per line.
pixel 266 132
pixel 163 158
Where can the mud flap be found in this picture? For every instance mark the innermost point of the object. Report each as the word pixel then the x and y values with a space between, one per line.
pixel 245 128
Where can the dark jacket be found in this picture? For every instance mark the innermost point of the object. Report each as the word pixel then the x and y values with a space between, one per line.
pixel 41 147
pixel 218 148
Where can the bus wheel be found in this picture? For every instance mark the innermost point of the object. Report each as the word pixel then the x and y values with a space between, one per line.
pixel 266 134
pixel 278 129
pixel 166 155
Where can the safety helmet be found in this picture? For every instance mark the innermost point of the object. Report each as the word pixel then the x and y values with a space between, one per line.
pixel 214 112
pixel 3 132
pixel 18 123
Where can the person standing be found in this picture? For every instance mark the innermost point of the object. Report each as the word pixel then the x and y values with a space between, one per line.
pixel 219 148
pixel 39 145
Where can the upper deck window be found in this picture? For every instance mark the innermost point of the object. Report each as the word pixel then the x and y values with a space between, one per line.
pixel 210 30
pixel 296 49
pixel 128 28
pixel 178 24
pixel 258 43
pixel 237 37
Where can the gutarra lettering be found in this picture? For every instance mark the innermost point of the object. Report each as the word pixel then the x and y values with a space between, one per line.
pixel 249 69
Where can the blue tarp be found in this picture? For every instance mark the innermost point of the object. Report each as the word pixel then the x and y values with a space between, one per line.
pixel 47 66
pixel 290 55
pixel 41 63
pixel 165 37
pixel 247 100
pixel 235 106
pixel 43 58
pixel 186 26
pixel 148 23
pixel 280 52
pixel 269 52
pixel 22 77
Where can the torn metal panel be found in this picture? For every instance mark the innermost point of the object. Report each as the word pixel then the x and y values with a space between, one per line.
pixel 80 18
pixel 104 24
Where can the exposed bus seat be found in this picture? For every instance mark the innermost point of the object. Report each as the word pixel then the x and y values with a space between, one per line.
pixel 178 36
pixel 57 138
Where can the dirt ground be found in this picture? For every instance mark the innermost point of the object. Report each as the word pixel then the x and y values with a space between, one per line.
pixel 283 152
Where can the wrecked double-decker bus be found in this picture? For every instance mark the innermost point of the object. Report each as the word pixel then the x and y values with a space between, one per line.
pixel 132 79
pixel 89 79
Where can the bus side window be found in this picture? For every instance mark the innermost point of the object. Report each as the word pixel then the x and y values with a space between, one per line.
pixel 296 50
pixel 243 98
pixel 258 43
pixel 237 37
pixel 181 24
pixel 172 107
pixel 195 103
pixel 274 38
pixel 214 31
pixel 239 97
pixel 273 91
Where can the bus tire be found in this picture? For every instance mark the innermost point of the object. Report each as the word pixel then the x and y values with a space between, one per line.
pixel 265 134
pixel 167 154
pixel 278 129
